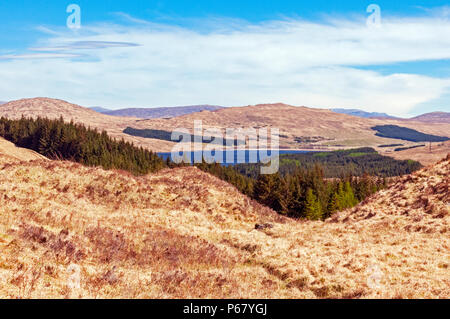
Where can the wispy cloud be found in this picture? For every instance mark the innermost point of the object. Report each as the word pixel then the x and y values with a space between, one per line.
pixel 86 45
pixel 238 63
pixel 33 56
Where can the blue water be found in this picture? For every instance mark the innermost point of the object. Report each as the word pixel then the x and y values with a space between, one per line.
pixel 254 154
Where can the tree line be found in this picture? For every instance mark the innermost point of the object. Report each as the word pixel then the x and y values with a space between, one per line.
pixel 57 139
pixel 303 193
pixel 300 193
pixel 339 164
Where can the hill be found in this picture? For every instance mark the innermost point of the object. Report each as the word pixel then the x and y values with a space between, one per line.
pixel 419 202
pixel 159 112
pixel 434 117
pixel 300 127
pixel 54 109
pixel 361 113
pixel 182 233
pixel 295 123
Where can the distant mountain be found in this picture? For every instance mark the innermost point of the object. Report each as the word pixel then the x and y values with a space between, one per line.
pixel 1 102
pixel 361 113
pixel 434 117
pixel 100 109
pixel 158 112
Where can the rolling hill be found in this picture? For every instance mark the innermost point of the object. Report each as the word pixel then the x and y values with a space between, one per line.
pixel 53 109
pixel 72 231
pixel 300 127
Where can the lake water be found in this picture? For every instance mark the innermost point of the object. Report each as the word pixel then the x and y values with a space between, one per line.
pixel 233 154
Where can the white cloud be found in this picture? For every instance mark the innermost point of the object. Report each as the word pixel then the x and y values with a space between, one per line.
pixel 85 45
pixel 292 61
pixel 33 56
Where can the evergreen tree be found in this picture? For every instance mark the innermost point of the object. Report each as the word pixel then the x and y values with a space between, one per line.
pixel 313 209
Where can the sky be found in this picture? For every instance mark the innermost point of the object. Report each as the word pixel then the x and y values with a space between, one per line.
pixel 379 56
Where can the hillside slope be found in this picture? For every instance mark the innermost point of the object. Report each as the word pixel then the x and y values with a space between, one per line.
pixel 54 109
pixel 182 233
pixel 9 150
pixel 301 127
pixel 418 202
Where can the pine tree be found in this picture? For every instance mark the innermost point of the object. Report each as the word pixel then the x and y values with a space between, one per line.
pixel 349 196
pixel 333 204
pixel 313 209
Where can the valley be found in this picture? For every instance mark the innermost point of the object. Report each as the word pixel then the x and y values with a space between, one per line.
pixel 145 228
pixel 181 233
pixel 301 128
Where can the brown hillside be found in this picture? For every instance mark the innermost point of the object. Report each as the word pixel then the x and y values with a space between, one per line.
pixel 51 108
pixel 419 202
pixel 330 130
pixel 9 150
pixel 182 233
pixel 54 109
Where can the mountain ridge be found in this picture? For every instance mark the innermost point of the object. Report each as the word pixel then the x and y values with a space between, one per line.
pixel 158 112
pixel 361 113
pixel 438 117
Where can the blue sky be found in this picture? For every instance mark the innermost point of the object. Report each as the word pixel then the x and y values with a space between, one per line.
pixel 163 53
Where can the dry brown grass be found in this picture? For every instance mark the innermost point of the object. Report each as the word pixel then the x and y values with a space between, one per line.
pixel 182 233
pixel 8 149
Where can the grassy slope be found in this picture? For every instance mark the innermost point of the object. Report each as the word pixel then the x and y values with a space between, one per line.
pixel 183 233
pixel 11 151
